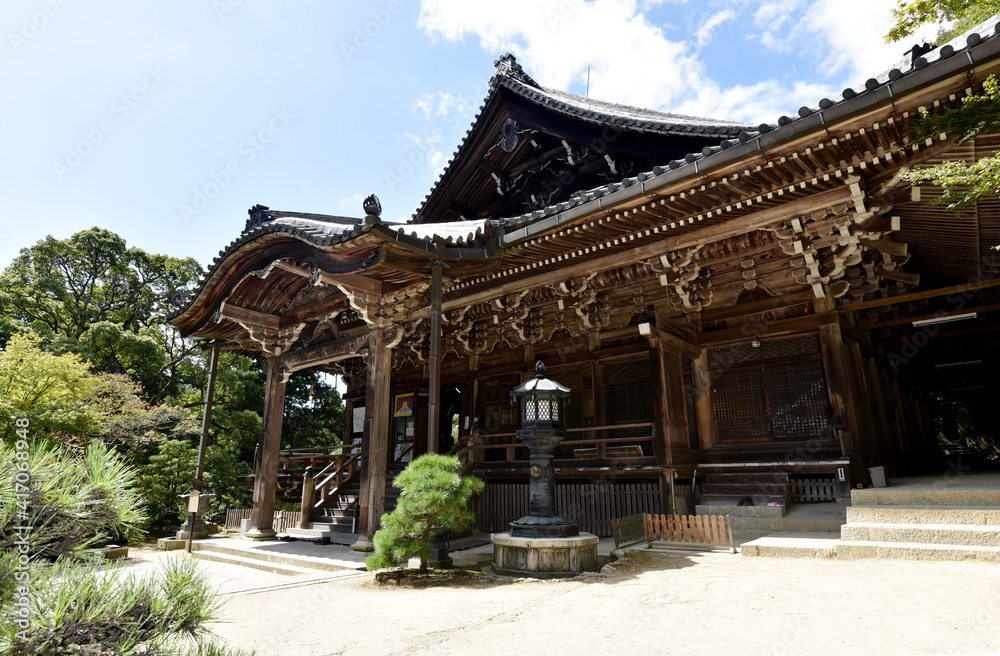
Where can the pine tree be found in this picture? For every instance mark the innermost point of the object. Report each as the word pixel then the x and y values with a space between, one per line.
pixel 434 496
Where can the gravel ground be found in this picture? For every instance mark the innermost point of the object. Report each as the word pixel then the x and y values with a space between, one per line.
pixel 653 603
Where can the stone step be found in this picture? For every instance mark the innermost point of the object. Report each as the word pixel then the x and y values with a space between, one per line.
pixel 786 524
pixel 733 499
pixel 792 545
pixel 916 514
pixel 271 557
pixel 929 534
pixel 903 496
pixel 780 478
pixel 745 535
pixel 740 511
pixel 855 550
pixel 254 563
pixel 324 535
pixel 745 489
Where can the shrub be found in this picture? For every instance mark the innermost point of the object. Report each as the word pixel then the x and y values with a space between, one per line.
pixel 434 496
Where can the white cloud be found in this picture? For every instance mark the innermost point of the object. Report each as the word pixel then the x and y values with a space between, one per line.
pixel 439 105
pixel 352 204
pixel 428 142
pixel 762 102
pixel 704 33
pixel 847 36
pixel 547 33
pixel 633 61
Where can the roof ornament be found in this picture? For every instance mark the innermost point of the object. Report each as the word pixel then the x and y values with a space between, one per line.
pixel 373 210
pixel 508 135
pixel 507 66
pixel 257 216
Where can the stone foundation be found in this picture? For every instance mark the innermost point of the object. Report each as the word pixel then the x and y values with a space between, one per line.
pixel 543 558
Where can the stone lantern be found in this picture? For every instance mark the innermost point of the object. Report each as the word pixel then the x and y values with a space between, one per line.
pixel 541 431
pixel 542 544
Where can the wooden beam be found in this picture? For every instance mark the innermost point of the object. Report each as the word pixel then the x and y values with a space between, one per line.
pixel 731 228
pixel 885 246
pixel 246 317
pixel 352 280
pixel 906 320
pixel 753 307
pixel 904 277
pixel 669 341
pixel 879 224
pixel 919 296
pixel 338 349
pixel 777 328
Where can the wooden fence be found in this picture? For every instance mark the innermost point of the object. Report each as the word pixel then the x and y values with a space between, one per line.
pixel 629 530
pixel 592 506
pixel 283 519
pixel 683 530
pixel 813 489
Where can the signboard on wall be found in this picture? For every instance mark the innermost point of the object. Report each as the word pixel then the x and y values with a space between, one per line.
pixel 404 405
pixel 358 425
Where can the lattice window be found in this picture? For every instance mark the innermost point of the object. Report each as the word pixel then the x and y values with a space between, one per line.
pixel 629 403
pixel 780 401
pixel 798 401
pixel 741 406
pixel 573 406
pixel 768 350
pixel 624 370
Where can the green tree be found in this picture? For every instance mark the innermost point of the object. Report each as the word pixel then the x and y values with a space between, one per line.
pixel 93 295
pixel 169 474
pixel 434 495
pixel 911 14
pixel 50 391
pixel 963 183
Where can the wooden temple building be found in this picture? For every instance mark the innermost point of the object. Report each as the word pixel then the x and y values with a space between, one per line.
pixel 738 305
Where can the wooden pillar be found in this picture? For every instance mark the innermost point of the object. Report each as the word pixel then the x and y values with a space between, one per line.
pixel 838 387
pixel 266 482
pixel 434 363
pixel 704 402
pixel 376 440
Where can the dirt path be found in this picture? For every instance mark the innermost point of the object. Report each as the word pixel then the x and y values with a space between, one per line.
pixel 657 604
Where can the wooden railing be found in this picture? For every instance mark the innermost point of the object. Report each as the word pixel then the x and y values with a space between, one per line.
pixel 482 448
pixel 334 477
pixel 298 459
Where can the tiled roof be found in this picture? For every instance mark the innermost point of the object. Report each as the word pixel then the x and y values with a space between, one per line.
pixel 323 231
pixel 511 76
pixel 750 139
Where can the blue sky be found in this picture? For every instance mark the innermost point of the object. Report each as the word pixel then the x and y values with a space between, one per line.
pixel 164 122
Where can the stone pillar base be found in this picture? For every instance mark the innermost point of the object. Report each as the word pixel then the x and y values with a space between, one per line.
pixel 258 535
pixel 363 544
pixel 544 558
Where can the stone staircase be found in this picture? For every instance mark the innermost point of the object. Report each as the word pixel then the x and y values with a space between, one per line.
pixel 274 557
pixel 922 525
pixel 337 522
pixel 752 522
pixel 728 489
pixel 927 520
